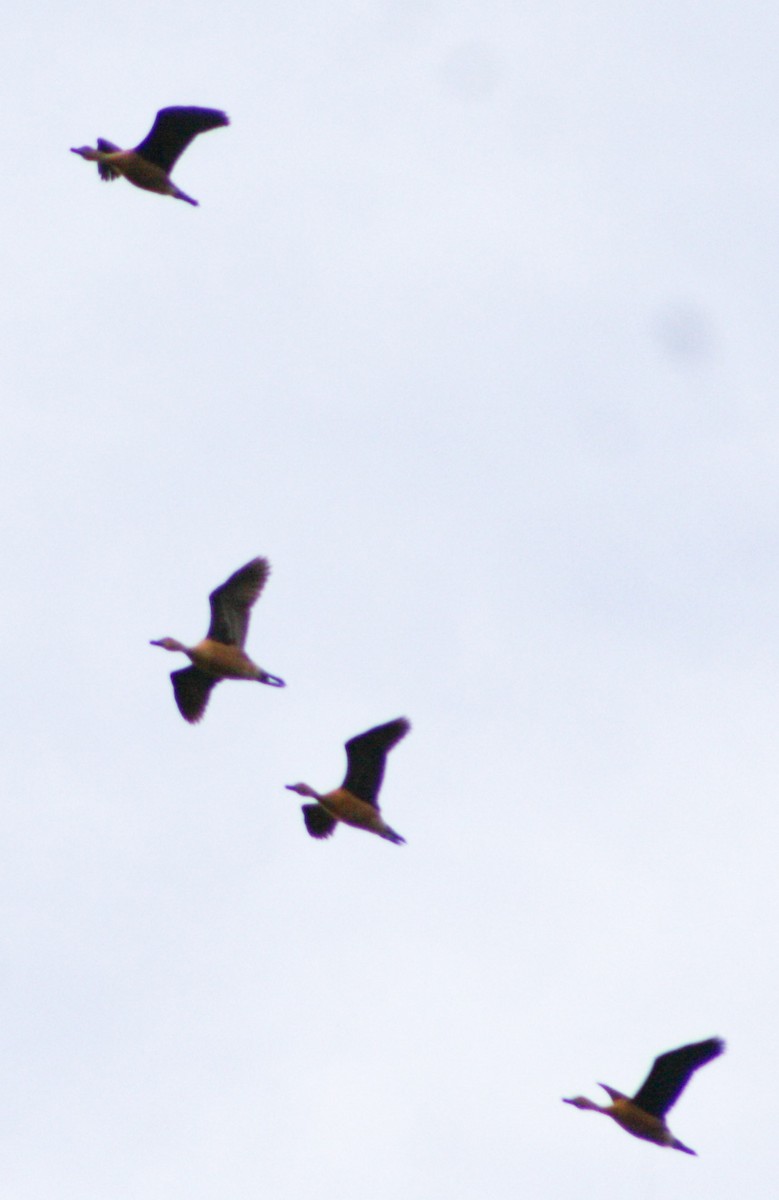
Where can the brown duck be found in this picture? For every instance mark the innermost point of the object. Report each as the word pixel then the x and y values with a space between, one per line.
pixel 644 1114
pixel 150 163
pixel 221 655
pixel 356 802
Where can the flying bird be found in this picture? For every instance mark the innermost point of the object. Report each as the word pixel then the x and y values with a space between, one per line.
pixel 149 164
pixel 644 1114
pixel 220 655
pixel 355 802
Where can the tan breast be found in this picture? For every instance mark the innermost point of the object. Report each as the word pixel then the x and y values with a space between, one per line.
pixel 641 1124
pixel 350 810
pixel 139 171
pixel 223 662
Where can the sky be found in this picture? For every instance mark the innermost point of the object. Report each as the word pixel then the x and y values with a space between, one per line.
pixel 473 336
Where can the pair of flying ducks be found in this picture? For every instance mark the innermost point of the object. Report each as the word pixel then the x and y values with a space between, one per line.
pixel 221 655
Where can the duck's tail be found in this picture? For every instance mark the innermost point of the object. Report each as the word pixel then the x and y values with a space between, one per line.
pixel 177 194
pixel 391 836
pixel 677 1145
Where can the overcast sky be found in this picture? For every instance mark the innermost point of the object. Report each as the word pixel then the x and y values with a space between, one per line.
pixel 474 337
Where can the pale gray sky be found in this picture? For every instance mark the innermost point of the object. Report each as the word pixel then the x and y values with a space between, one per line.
pixel 474 336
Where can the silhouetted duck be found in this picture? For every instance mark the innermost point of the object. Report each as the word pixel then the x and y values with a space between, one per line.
pixel 149 165
pixel 221 655
pixel 355 802
pixel 644 1114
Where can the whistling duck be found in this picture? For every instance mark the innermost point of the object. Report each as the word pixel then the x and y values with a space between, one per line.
pixel 221 655
pixel 644 1114
pixel 149 165
pixel 355 802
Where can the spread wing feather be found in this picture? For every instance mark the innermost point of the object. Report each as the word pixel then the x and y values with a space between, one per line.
pixel 319 823
pixel 232 601
pixel 366 756
pixel 672 1072
pixel 173 130
pixel 192 688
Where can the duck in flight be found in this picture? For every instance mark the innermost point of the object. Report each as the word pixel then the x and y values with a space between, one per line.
pixel 220 655
pixel 356 802
pixel 644 1114
pixel 150 163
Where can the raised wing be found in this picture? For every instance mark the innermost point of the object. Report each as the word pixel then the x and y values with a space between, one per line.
pixel 672 1072
pixel 367 754
pixel 192 688
pixel 173 129
pixel 319 823
pixel 231 602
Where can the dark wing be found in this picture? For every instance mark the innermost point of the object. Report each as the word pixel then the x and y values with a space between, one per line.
pixel 367 754
pixel 192 687
pixel 103 169
pixel 319 823
pixel 231 602
pixel 671 1073
pixel 173 130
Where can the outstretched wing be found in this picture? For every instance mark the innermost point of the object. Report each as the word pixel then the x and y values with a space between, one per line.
pixel 231 602
pixel 672 1072
pixel 173 129
pixel 192 687
pixel 319 823
pixel 366 756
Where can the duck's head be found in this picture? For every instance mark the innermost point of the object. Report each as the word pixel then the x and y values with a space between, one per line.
pixel 582 1102
pixel 169 643
pixel 302 789
pixel 85 151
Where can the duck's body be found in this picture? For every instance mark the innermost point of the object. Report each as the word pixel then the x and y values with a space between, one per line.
pixel 644 1125
pixel 355 802
pixel 220 654
pixel 633 1119
pixel 341 805
pixel 643 1115
pixel 149 164
pixel 223 662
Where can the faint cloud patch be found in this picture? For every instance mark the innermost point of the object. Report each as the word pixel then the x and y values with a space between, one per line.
pixel 684 332
pixel 470 71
